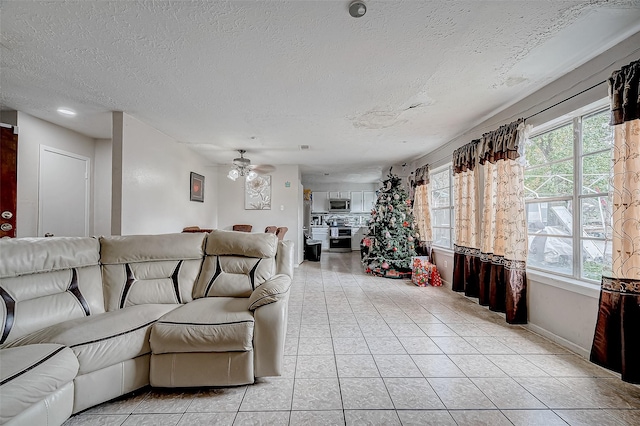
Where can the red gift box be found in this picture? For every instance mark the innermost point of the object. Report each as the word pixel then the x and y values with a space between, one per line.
pixel 424 272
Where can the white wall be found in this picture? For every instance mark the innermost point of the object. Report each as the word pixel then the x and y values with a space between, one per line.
pixel 285 204
pixel 155 182
pixel 565 312
pixel 102 187
pixel 343 186
pixel 34 132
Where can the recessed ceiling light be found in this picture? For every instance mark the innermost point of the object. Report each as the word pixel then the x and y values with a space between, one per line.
pixel 66 111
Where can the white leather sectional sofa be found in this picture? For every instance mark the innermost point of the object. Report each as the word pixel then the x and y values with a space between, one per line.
pixel 84 320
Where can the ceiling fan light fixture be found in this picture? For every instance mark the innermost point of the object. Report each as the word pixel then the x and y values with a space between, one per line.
pixel 233 174
pixel 242 167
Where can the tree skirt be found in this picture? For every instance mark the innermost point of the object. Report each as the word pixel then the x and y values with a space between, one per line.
pixel 390 273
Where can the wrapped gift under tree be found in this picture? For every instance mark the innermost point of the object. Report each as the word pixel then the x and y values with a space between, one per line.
pixel 424 272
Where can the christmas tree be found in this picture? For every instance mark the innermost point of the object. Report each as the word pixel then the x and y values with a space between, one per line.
pixel 391 236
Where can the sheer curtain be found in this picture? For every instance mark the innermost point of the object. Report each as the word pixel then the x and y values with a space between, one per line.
pixel 466 260
pixel 502 276
pixel 616 343
pixel 421 210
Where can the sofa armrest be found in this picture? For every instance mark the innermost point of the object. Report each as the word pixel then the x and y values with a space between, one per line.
pixel 270 307
pixel 270 291
pixel 284 258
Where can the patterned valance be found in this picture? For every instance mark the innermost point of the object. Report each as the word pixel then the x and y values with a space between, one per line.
pixel 465 157
pixel 422 175
pixel 501 144
pixel 624 93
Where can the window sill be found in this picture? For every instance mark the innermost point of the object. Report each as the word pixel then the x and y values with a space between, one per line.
pixel 565 283
pixel 442 250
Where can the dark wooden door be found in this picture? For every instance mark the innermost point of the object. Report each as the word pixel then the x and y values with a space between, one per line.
pixel 8 180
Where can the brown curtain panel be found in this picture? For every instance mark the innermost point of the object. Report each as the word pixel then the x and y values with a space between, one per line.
pixel 421 210
pixel 616 343
pixel 503 252
pixel 466 258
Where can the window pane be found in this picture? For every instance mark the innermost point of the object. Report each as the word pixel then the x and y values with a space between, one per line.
pixel 596 169
pixel 551 146
pixel 553 218
pixel 595 254
pixel 440 197
pixel 440 179
pixel 554 254
pixel 595 214
pixel 553 180
pixel 442 237
pixel 442 217
pixel 596 133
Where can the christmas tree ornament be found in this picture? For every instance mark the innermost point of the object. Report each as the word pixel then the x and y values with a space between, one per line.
pixel 396 196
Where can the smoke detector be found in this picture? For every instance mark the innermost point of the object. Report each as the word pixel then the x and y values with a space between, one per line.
pixel 357 9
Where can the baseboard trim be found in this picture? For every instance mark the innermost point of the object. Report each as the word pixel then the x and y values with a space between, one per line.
pixel 559 340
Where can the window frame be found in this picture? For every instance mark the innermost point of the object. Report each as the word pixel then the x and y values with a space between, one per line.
pixel 576 120
pixel 450 207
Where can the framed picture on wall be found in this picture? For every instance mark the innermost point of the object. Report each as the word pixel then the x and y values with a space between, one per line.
pixel 257 194
pixel 197 187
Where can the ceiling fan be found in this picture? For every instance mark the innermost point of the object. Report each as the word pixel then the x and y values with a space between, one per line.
pixel 242 167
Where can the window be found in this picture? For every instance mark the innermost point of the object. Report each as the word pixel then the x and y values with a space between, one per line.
pixel 566 182
pixel 441 184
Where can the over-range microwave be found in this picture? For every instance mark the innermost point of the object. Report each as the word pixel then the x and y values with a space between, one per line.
pixel 339 205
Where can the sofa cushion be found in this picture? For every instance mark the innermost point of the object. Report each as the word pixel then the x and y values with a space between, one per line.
pixel 236 263
pixel 221 243
pixel 233 276
pixel 46 281
pixel 213 324
pixel 22 256
pixel 141 269
pixel 105 339
pixel 28 374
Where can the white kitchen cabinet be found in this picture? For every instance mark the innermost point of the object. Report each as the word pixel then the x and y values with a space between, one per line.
pixel 339 194
pixel 319 201
pixel 356 201
pixel 368 200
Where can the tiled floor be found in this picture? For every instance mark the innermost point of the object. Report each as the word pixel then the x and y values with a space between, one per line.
pixel 366 350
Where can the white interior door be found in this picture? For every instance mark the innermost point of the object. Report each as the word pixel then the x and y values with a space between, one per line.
pixel 63 194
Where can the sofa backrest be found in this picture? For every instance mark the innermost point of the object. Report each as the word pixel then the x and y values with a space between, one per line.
pixel 45 281
pixel 139 269
pixel 236 263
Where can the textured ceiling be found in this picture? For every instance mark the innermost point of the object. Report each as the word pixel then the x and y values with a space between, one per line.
pixel 270 76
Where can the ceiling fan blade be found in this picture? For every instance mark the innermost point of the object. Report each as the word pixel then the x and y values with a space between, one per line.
pixel 263 168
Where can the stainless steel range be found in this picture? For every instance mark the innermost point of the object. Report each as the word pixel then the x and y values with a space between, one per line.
pixel 339 239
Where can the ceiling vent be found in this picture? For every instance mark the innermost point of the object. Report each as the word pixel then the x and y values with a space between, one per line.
pixel 304 147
